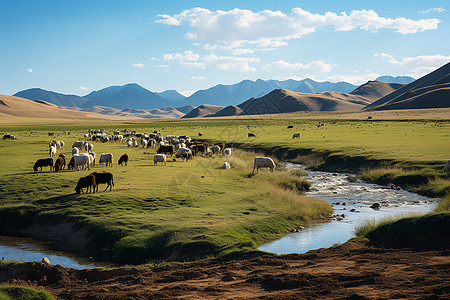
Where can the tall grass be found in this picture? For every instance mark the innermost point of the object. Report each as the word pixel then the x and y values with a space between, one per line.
pixel 369 225
pixel 10 292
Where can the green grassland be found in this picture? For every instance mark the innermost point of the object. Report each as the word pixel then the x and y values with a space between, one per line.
pixel 11 292
pixel 188 210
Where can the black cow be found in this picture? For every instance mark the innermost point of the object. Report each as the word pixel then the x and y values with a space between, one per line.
pixel 251 135
pixel 103 177
pixel 124 159
pixel 43 162
pixel 165 149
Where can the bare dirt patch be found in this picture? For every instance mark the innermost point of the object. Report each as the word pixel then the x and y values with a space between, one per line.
pixel 354 270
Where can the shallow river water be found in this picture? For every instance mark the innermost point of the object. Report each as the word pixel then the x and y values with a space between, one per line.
pixel 336 188
pixel 332 187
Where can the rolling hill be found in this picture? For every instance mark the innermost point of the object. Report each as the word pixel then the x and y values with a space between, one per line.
pixel 202 111
pixel 52 97
pixel 132 113
pixel 429 91
pixel 374 90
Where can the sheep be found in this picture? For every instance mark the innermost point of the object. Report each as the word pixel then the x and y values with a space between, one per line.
pixel 447 168
pixel 88 147
pixel 93 155
pixel 106 158
pixel 226 166
pixel 43 162
pixel 59 163
pixel 227 151
pixel 123 159
pixel 296 135
pixel 62 144
pixel 216 149
pixel 87 182
pixel 75 150
pixel 263 162
pixel 159 158
pixel 52 151
pixel 251 135
pixel 103 177
pixel 184 153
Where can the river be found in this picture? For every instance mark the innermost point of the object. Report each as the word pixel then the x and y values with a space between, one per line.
pixel 345 196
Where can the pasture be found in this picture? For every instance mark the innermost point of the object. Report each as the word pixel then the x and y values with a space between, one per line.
pixel 188 210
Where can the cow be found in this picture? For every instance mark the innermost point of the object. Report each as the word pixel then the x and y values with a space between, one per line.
pixel 290 126
pixel 59 164
pixel 103 177
pixel 52 151
pixel 296 135
pixel 75 150
pixel 79 160
pixel 263 162
pixel 78 144
pixel 165 149
pixel 64 160
pixel 87 182
pixel 251 135
pixel 106 158
pixel 123 159
pixel 43 162
pixel 159 158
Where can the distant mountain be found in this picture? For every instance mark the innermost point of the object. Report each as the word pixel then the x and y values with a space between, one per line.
pixel 172 96
pixel 429 91
pixel 398 79
pixel 130 95
pixel 52 97
pixel 224 95
pixel 185 109
pixel 166 112
pixel 202 110
pixel 374 90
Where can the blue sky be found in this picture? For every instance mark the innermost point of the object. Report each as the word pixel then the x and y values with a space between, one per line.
pixel 75 47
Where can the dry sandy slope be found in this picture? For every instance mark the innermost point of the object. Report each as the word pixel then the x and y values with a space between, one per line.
pixel 354 270
pixel 19 110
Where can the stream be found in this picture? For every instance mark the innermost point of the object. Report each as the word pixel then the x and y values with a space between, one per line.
pixel 345 196
pixel 332 187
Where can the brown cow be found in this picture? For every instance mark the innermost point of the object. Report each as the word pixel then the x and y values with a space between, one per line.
pixel 103 177
pixel 59 163
pixel 87 182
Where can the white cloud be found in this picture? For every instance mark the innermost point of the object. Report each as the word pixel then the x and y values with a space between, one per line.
pixel 196 77
pixel 231 63
pixel 186 56
pixel 354 78
pixel 187 93
pixel 138 65
pixel 30 70
pixel 83 88
pixel 281 66
pixel 418 65
pixel 434 9
pixel 268 28
pixel 153 58
pixel 197 65
pixel 162 66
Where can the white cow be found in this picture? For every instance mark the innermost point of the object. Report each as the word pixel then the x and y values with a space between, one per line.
pixel 227 151
pixel 75 150
pixel 447 168
pixel 52 151
pixel 296 135
pixel 78 144
pixel 88 147
pixel 216 149
pixel 106 158
pixel 82 161
pixel 226 166
pixel 263 162
pixel 159 158
pixel 90 157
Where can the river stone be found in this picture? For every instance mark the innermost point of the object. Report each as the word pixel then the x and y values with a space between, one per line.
pixel 45 261
pixel 375 206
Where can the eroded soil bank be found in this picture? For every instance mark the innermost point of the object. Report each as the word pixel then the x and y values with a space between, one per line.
pixel 355 270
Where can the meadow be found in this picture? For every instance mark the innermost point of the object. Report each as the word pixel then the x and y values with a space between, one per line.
pixel 189 210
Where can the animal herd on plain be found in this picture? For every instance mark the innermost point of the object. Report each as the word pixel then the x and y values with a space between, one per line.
pixel 177 147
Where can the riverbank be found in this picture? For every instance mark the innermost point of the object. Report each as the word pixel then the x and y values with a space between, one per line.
pixel 354 270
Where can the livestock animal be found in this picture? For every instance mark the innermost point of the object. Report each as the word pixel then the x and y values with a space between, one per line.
pixel 106 158
pixel 447 168
pixel 124 159
pixel 78 144
pixel 63 157
pixel 59 163
pixel 88 147
pixel 90 158
pixel 43 162
pixel 216 149
pixel 93 155
pixel 52 151
pixel 182 150
pixel 165 149
pixel 290 126
pixel 159 158
pixel 226 166
pixel 79 160
pixel 263 162
pixel 251 135
pixel 296 135
pixel 87 182
pixel 103 177
pixel 75 150
pixel 227 151
pixel 200 134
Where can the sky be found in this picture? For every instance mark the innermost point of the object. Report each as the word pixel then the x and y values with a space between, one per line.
pixel 76 47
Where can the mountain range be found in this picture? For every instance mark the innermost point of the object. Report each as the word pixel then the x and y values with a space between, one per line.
pixel 133 96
